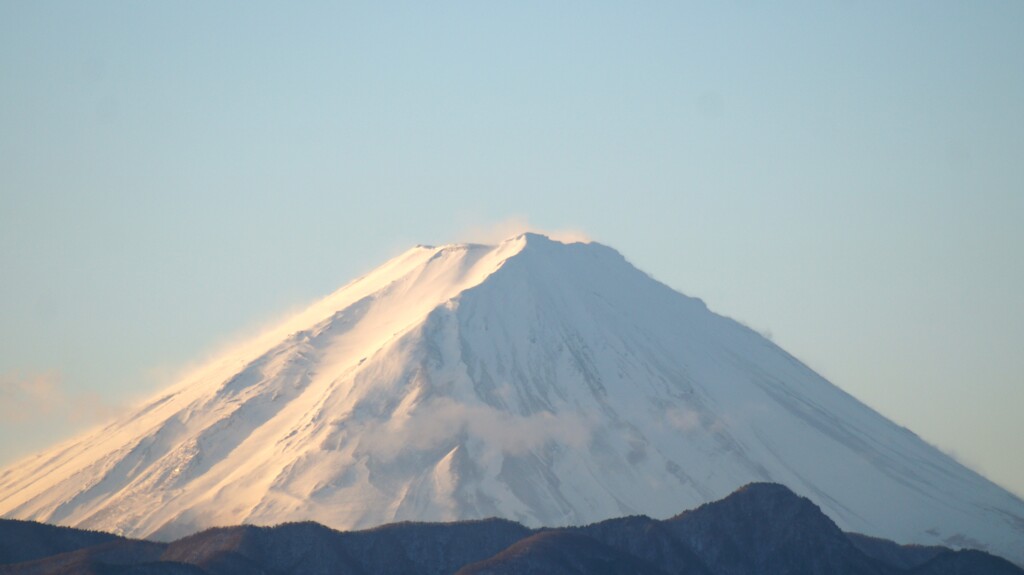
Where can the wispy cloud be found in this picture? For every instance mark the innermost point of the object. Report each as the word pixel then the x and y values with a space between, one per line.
pixel 443 420
pixel 23 398
pixel 29 398
pixel 512 226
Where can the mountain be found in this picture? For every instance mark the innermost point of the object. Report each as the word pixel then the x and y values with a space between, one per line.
pixel 547 383
pixel 761 528
pixel 22 541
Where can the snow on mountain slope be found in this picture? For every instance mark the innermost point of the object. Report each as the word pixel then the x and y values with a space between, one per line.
pixel 545 382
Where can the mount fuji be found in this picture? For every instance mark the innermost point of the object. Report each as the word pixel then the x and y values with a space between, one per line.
pixel 548 383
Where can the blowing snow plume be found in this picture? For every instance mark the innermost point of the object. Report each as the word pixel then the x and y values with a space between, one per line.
pixel 544 382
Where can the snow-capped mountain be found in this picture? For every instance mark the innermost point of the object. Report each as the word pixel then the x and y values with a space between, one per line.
pixel 548 383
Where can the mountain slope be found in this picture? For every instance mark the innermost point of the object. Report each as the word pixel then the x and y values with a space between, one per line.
pixel 547 383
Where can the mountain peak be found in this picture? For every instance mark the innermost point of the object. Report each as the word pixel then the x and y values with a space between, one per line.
pixel 546 382
pixel 766 498
pixel 520 239
pixel 543 237
pixel 765 489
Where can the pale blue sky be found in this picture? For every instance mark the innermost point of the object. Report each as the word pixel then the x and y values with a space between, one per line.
pixel 846 175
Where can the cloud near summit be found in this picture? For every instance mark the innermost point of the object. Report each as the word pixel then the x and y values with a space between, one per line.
pixel 27 398
pixel 513 226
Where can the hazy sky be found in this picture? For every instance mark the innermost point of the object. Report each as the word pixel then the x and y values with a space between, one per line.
pixel 846 176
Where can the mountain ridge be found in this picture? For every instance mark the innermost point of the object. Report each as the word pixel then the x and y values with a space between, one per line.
pixel 762 528
pixel 543 382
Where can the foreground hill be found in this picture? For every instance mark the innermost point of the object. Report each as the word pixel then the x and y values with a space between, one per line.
pixel 761 528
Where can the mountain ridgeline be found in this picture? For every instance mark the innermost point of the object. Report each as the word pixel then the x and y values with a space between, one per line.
pixel 761 528
pixel 545 383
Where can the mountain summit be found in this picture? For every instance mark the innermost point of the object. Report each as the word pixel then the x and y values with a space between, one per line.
pixel 547 383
